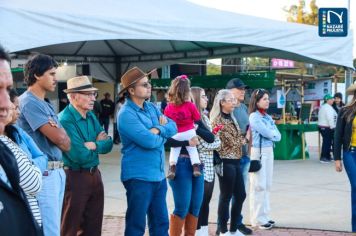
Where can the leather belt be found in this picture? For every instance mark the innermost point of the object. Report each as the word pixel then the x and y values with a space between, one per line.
pixel 54 165
pixel 91 170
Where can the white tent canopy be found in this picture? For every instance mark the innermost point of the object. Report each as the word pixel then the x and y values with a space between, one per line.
pixel 155 33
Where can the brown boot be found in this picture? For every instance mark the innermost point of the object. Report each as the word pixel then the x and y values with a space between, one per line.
pixel 175 225
pixel 190 225
pixel 171 172
pixel 196 170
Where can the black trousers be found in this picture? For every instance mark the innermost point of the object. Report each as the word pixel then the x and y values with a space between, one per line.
pixel 231 184
pixel 204 209
pixel 328 136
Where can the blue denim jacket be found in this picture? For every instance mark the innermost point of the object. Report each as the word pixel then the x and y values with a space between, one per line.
pixel 264 125
pixel 29 146
pixel 143 152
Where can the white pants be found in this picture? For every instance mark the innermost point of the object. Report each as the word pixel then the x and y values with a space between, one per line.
pixel 260 186
pixel 175 151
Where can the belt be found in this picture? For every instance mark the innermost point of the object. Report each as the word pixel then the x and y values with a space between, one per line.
pixel 352 148
pixel 54 165
pixel 91 170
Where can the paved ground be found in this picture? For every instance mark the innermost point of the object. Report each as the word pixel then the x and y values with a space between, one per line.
pixel 305 195
pixel 114 226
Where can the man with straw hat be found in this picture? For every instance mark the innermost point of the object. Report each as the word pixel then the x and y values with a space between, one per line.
pixel 143 131
pixel 83 204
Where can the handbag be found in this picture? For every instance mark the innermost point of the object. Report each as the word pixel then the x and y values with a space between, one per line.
pixel 216 158
pixel 256 165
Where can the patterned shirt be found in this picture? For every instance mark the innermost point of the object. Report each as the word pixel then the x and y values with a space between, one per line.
pixel 231 138
pixel 206 152
pixel 30 176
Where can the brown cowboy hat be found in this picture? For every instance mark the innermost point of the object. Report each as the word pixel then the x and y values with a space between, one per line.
pixel 350 90
pixel 79 84
pixel 132 76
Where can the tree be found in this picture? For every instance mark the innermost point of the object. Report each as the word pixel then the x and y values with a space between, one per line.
pixel 298 13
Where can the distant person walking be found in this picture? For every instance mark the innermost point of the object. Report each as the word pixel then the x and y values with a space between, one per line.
pixel 326 123
pixel 345 145
pixel 107 110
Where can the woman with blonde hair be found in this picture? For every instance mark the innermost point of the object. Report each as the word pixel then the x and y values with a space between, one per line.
pixel 345 140
pixel 230 176
pixel 205 150
pixel 264 134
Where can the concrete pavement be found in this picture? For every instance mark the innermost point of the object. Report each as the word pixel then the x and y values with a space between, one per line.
pixel 305 194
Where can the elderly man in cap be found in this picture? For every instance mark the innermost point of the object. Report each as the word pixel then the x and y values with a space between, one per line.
pixel 84 194
pixel 326 124
pixel 143 131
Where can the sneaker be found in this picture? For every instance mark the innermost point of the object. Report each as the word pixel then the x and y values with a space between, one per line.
pixel 196 170
pixel 265 226
pixel 236 233
pixel 324 160
pixel 272 222
pixel 243 229
pixel 171 172
pixel 225 234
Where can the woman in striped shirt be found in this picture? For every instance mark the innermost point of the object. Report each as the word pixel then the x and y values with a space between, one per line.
pixel 30 174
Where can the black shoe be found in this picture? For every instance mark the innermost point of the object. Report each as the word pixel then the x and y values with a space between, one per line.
pixel 265 226
pixel 243 229
pixel 272 222
pixel 324 160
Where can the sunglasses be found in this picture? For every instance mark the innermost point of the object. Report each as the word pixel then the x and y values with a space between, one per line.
pixel 145 85
pixel 260 91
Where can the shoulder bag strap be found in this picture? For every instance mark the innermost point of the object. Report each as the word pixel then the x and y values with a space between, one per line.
pixel 260 146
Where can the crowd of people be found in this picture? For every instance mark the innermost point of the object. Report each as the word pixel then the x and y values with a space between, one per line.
pixel 50 183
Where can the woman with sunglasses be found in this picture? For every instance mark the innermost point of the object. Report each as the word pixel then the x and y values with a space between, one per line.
pixel 231 182
pixel 264 134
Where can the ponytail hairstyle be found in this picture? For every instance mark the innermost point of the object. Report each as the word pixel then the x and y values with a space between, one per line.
pixel 179 91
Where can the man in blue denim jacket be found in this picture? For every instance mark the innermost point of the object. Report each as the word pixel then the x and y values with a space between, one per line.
pixel 143 131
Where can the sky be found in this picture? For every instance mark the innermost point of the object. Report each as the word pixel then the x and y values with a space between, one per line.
pixel 273 9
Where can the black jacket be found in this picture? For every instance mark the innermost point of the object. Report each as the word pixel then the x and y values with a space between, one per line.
pixel 342 136
pixel 16 218
pixel 202 132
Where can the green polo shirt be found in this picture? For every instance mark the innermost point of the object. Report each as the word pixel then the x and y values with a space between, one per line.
pixel 81 130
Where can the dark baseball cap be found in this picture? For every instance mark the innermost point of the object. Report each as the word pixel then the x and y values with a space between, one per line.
pixel 236 83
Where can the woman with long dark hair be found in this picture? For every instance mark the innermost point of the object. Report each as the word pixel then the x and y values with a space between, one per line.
pixel 345 141
pixel 264 134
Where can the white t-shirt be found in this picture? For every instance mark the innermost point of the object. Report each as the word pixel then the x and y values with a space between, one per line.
pixel 327 116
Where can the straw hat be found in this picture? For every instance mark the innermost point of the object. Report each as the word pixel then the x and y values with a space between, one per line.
pixel 132 76
pixel 79 84
pixel 350 90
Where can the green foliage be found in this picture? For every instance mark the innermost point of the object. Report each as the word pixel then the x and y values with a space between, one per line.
pixel 299 14
pixel 212 69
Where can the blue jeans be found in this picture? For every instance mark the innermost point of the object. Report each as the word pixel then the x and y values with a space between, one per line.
pixel 244 167
pixel 50 200
pixel 350 167
pixel 187 190
pixel 146 198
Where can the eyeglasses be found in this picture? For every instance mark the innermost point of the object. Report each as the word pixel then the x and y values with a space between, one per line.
pixel 145 85
pixel 230 100
pixel 93 94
